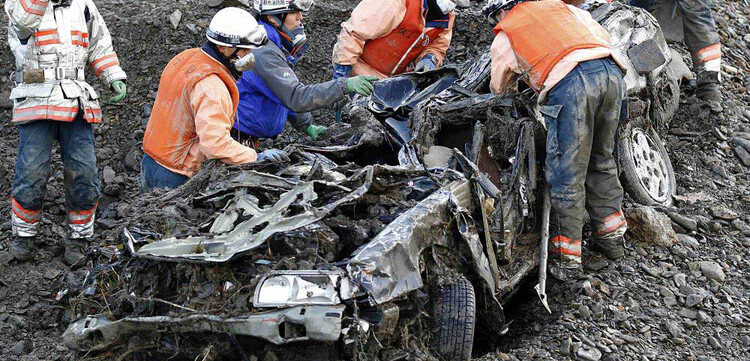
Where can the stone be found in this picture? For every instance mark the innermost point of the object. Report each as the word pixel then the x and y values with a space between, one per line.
pixel 20 348
pixel 687 241
pixel 646 225
pixel 108 175
pixel 688 223
pixel 589 354
pixel 566 346
pixel 743 155
pixel 673 329
pixel 175 19
pixel 712 271
pixel 723 212
pixel 714 342
pixel 5 258
pixel 695 298
pixel 688 314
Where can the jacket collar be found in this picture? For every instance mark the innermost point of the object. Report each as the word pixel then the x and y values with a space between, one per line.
pixel 212 51
pixel 441 21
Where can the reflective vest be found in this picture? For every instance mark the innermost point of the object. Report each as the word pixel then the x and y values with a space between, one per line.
pixel 170 136
pixel 392 53
pixel 53 47
pixel 541 34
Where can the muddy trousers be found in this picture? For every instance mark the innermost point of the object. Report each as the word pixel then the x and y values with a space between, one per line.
pixel 32 171
pixel 699 27
pixel 154 175
pixel 581 114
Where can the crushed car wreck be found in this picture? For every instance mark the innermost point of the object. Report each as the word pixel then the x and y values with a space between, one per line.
pixel 423 218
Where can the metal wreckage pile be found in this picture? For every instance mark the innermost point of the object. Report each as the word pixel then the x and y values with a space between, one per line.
pixel 397 241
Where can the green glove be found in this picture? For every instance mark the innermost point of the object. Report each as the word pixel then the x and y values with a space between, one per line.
pixel 118 86
pixel 361 84
pixel 315 130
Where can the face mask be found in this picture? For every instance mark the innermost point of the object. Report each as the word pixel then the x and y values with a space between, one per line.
pixel 295 41
pixel 245 63
pixel 446 6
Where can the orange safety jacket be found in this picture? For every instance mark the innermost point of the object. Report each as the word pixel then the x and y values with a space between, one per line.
pixel 392 53
pixel 541 34
pixel 171 138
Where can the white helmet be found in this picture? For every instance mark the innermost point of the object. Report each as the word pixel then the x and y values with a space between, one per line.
pixel 236 28
pixel 495 6
pixel 276 7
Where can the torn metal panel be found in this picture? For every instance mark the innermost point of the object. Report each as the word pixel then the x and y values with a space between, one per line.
pixel 320 323
pixel 302 287
pixel 467 230
pixel 388 266
pixel 254 232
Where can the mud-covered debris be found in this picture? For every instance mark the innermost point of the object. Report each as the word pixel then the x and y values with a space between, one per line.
pixel 647 225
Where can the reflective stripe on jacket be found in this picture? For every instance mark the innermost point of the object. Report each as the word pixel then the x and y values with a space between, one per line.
pixel 64 38
pixel 380 34
pixel 193 114
pixel 541 34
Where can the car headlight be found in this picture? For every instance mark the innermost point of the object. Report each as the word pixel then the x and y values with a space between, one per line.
pixel 291 288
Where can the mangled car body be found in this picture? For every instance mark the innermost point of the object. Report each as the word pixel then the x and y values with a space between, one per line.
pixel 373 261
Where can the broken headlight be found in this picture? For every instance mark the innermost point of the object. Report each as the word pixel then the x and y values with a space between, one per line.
pixel 291 288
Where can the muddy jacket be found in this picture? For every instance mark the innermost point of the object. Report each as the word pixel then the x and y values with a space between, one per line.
pixel 56 45
pixel 571 36
pixel 271 94
pixel 384 37
pixel 193 114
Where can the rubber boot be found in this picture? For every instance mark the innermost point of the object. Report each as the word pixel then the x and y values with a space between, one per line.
pixel 21 247
pixel 612 248
pixel 75 252
pixel 708 86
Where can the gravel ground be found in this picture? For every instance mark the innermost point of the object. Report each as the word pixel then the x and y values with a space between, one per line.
pixel 688 301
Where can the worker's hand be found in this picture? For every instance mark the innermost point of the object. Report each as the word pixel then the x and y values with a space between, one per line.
pixel 120 89
pixel 361 84
pixel 273 155
pixel 315 130
pixel 426 64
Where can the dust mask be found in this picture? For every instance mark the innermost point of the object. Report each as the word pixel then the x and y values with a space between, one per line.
pixel 446 6
pixel 245 63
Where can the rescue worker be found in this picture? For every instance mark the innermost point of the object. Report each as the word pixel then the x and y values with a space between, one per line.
pixel 197 102
pixel 702 41
pixel 564 55
pixel 388 37
pixel 271 94
pixel 54 42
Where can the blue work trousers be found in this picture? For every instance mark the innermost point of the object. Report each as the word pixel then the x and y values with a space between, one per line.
pixel 154 175
pixel 32 171
pixel 582 113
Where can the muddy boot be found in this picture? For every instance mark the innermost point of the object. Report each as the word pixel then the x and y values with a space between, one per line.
pixel 21 247
pixel 75 252
pixel 612 248
pixel 565 271
pixel 708 86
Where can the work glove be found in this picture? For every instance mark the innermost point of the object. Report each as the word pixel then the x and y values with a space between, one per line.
pixel 273 155
pixel 341 71
pixel 315 130
pixel 426 64
pixel 118 86
pixel 361 85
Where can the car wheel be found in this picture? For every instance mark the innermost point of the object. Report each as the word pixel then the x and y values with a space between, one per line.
pixel 454 318
pixel 647 171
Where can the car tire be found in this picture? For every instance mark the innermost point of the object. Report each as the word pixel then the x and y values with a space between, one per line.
pixel 647 173
pixel 454 319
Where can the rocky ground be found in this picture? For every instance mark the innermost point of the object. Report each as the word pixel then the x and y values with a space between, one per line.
pixel 687 301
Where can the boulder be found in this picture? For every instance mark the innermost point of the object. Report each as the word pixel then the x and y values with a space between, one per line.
pixel 647 225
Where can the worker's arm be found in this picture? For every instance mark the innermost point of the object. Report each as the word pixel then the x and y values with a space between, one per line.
pixel 439 46
pixel 25 15
pixel 271 66
pixel 300 121
pixel 102 59
pixel 371 19
pixel 505 68
pixel 213 109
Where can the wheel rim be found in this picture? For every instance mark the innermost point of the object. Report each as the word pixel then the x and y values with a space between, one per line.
pixel 650 166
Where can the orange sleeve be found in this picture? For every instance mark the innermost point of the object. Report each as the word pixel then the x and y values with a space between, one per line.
pixel 505 68
pixel 371 19
pixel 213 109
